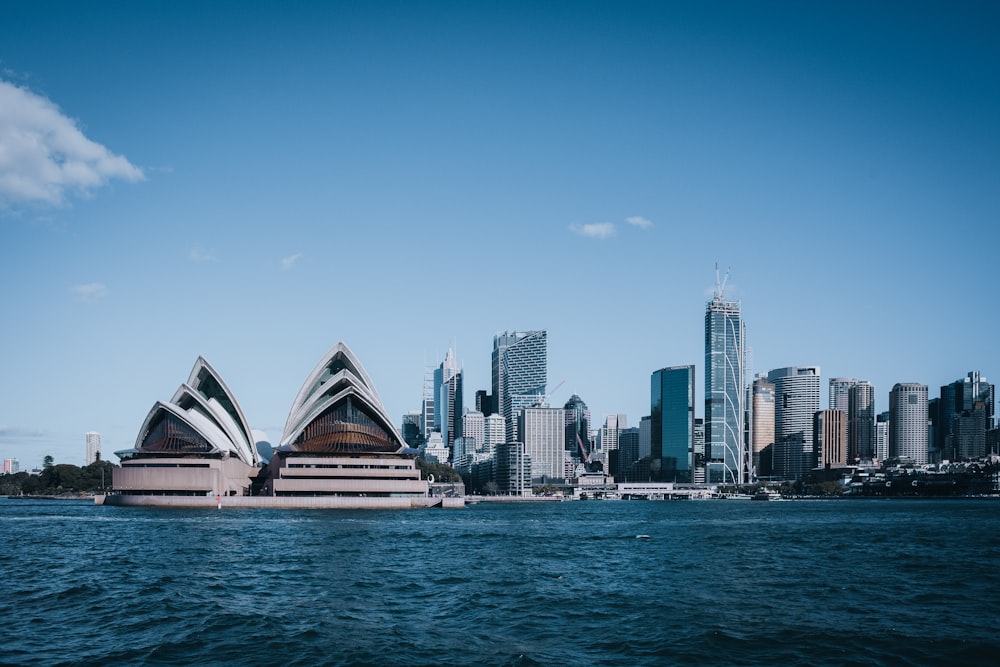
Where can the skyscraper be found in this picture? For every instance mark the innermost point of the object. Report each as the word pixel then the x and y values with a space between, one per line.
pixel 672 423
pixel 831 438
pixel 520 371
pixel 908 422
pixel 577 440
pixel 762 431
pixel 965 414
pixel 411 429
pixel 856 399
pixel 474 428
pixel 861 422
pixel 840 391
pixel 796 394
pixel 93 447
pixel 448 399
pixel 882 436
pixel 725 366
pixel 543 432
pixel 494 432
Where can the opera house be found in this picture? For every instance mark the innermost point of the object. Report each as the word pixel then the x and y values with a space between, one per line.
pixel 338 449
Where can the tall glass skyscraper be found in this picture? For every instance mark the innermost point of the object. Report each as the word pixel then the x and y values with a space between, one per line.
pixel 577 441
pixel 520 371
pixel 672 423
pixel 727 459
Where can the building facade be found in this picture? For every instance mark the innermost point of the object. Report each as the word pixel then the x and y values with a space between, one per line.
pixel 672 423
pixel 796 394
pixel 861 422
pixel 542 430
pixel 92 443
pixel 908 422
pixel 577 438
pixel 830 435
pixel 520 373
pixel 762 426
pixel 727 459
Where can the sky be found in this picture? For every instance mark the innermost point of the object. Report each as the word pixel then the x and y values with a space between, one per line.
pixel 255 181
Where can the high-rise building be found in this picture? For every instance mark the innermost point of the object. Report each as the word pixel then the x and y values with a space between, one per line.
pixel 520 372
pixel 484 402
pixel 628 448
pixel 908 422
pixel 840 392
pixel 411 429
pixel 645 436
pixel 543 432
pixel 796 394
pixel 672 423
pixel 965 415
pixel 474 428
pixel 727 459
pixel 856 398
pixel 882 436
pixel 607 437
pixel 494 432
pixel 762 429
pixel 448 399
pixel 11 466
pixel 577 440
pixel 861 422
pixel 830 435
pixel 513 469
pixel 698 458
pixel 93 447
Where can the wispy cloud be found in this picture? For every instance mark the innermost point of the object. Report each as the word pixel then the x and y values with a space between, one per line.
pixel 639 221
pixel 595 230
pixel 89 292
pixel 9 433
pixel 289 262
pixel 202 254
pixel 45 156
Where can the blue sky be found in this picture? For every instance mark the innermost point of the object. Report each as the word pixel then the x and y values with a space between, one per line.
pixel 253 182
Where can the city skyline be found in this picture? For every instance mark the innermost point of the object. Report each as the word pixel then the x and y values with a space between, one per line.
pixel 251 184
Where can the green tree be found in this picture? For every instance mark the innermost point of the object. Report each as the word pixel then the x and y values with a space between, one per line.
pixel 47 461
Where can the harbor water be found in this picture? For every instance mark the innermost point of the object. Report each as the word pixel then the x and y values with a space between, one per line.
pixel 859 582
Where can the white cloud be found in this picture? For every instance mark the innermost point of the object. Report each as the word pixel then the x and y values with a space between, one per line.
pixel 89 292
pixel 289 262
pixel 639 221
pixel 200 254
pixel 44 156
pixel 595 230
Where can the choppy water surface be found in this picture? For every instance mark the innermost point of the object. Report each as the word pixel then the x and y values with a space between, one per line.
pixel 716 583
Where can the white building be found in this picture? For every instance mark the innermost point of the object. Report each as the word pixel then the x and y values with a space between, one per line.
pixel 908 422
pixel 608 438
pixel 473 429
pixel 494 433
pixel 543 432
pixel 93 445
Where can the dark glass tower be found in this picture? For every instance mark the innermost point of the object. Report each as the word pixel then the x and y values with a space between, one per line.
pixel 672 423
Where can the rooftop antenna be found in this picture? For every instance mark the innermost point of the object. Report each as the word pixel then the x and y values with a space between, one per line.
pixel 720 287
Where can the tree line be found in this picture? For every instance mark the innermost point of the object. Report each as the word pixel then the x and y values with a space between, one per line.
pixel 59 479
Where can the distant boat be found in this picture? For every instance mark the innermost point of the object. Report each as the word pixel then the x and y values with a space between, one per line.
pixel 767 495
pixel 642 537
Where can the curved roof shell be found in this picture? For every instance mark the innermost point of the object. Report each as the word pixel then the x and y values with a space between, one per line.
pixel 203 417
pixel 337 410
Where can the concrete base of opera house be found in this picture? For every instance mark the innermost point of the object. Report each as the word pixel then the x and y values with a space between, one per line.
pixel 279 502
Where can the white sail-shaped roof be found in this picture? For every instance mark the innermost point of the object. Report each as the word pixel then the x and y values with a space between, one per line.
pixel 203 417
pixel 338 410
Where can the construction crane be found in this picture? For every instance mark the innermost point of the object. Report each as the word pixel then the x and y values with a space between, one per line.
pixel 544 399
pixel 720 287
